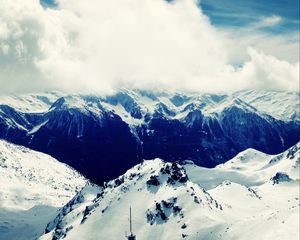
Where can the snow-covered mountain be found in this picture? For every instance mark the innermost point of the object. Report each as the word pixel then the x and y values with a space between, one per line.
pixel 170 201
pixel 31 103
pixel 281 105
pixel 93 133
pixel 33 186
pixel 249 168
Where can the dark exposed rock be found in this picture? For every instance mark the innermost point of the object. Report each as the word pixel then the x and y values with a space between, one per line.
pixel 177 173
pixel 254 193
pixel 162 211
pixel 169 203
pixel 119 181
pixel 56 223
pixel 184 226
pixel 88 210
pixel 280 177
pixel 197 200
pixel 177 209
pixel 154 181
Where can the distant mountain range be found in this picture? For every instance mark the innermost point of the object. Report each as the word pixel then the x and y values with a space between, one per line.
pixel 102 137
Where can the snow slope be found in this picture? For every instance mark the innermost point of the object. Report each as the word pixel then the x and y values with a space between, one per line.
pixel 168 202
pixel 249 168
pixel 33 186
pixel 281 105
pixel 30 102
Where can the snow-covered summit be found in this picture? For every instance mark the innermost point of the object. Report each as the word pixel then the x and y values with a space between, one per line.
pixel 161 196
pixel 168 203
pixel 253 161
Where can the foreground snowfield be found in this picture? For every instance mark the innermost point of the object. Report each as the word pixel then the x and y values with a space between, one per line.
pixel 33 187
pixel 253 196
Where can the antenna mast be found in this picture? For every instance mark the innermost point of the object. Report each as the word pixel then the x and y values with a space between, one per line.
pixel 130 220
pixel 131 236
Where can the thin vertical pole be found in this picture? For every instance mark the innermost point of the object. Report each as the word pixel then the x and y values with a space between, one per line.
pixel 130 222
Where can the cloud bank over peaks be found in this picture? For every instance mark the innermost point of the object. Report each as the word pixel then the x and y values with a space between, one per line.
pixel 97 45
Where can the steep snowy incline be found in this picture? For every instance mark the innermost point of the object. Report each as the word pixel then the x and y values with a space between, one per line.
pixel 168 204
pixel 165 205
pixel 33 186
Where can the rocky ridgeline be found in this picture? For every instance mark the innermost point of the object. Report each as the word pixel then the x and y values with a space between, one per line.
pixel 79 206
pixel 175 172
pixel 147 177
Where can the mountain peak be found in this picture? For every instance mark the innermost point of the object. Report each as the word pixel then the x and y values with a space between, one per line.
pixel 166 197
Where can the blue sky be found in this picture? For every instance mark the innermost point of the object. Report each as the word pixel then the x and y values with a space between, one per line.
pixel 237 13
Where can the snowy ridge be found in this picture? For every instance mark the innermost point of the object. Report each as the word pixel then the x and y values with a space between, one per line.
pixel 281 105
pixel 249 168
pixel 32 184
pixel 162 198
pixel 251 161
pixel 136 107
pixel 168 202
pixel 30 103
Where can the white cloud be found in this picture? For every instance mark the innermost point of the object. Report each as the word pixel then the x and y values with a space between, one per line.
pixel 271 20
pixel 276 74
pixel 98 45
pixel 284 47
